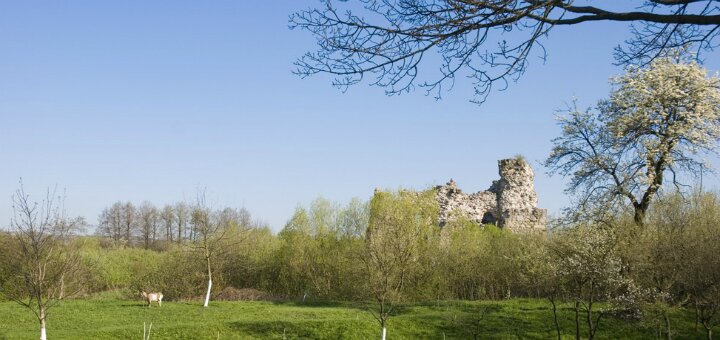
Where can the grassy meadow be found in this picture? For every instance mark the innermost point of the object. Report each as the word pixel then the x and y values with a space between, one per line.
pixel 123 319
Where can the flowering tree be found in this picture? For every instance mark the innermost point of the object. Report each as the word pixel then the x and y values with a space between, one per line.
pixel 588 268
pixel 653 125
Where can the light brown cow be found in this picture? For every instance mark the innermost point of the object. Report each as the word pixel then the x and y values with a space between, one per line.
pixel 150 297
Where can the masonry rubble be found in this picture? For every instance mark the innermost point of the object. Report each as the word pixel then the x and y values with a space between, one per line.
pixel 510 202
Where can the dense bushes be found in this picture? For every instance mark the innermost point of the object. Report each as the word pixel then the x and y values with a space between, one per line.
pixel 177 272
pixel 5 243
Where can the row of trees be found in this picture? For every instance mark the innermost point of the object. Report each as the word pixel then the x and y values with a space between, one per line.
pixel 148 226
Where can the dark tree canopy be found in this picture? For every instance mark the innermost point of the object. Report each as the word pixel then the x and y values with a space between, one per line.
pixel 488 40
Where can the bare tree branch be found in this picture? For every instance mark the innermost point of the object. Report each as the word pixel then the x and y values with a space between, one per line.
pixel 488 41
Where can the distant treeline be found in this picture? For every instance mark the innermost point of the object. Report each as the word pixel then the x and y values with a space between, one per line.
pixel 150 227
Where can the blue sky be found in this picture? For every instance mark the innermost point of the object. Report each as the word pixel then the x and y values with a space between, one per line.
pixel 134 101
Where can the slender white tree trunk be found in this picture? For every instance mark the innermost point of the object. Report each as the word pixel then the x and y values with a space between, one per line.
pixel 209 270
pixel 43 334
pixel 207 296
pixel 384 333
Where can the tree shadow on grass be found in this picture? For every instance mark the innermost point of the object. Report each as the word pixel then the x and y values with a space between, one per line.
pixel 264 329
pixel 132 304
pixel 142 305
pixel 303 329
pixel 477 321
pixel 311 303
pixel 322 304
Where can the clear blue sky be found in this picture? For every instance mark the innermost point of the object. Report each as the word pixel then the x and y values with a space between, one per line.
pixel 138 100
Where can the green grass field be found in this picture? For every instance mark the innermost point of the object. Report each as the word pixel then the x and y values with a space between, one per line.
pixel 121 319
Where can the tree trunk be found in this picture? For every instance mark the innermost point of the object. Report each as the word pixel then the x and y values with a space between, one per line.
pixel 577 320
pixel 668 333
pixel 639 217
pixel 708 329
pixel 62 287
pixel 591 327
pixel 128 234
pixel 555 317
pixel 383 319
pixel 43 334
pixel 207 296
pixel 180 233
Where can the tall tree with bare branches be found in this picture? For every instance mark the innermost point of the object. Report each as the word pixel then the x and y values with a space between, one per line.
pixel 167 216
pixel 213 230
pixel 148 218
pixel 111 223
pixel 490 41
pixel 181 219
pixel 43 262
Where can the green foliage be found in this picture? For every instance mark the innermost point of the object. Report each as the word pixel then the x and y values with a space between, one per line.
pixel 486 262
pixel 5 269
pixel 252 261
pixel 119 268
pixel 319 251
pixel 402 232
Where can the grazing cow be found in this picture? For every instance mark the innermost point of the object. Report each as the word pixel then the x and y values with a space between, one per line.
pixel 150 297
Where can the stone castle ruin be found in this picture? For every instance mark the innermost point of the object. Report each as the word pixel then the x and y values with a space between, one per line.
pixel 510 202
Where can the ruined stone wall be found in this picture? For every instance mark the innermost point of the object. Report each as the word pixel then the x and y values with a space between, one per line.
pixel 510 202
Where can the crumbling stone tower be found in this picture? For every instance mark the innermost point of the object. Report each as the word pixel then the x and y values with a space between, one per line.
pixel 510 202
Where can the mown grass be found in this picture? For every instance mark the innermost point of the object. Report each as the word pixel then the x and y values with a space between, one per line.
pixel 121 319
